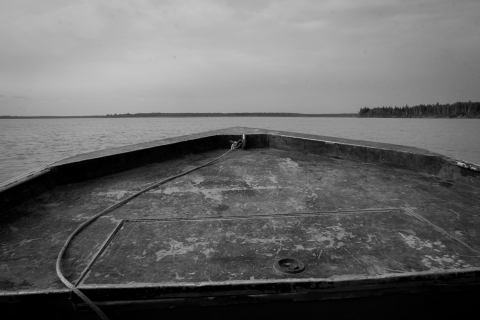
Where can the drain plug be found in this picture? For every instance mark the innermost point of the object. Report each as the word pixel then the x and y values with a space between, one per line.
pixel 289 265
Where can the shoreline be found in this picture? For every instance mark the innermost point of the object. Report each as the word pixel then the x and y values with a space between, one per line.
pixel 425 117
pixel 191 115
pixel 233 116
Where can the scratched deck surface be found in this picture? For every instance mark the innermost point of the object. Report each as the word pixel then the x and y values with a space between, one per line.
pixel 329 244
pixel 342 218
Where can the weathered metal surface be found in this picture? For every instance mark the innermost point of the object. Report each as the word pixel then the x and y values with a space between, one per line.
pixel 332 245
pixel 304 176
pixel 104 162
pixel 246 183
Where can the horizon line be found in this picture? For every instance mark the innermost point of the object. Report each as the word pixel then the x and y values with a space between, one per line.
pixel 186 114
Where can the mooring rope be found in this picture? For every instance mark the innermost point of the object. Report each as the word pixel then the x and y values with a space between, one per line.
pixel 235 145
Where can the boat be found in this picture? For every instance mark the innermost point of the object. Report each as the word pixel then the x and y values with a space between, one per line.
pixel 243 223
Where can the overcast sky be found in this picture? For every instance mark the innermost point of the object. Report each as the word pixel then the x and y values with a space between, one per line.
pixel 60 57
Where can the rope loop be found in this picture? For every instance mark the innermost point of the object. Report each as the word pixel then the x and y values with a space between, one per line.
pixel 236 144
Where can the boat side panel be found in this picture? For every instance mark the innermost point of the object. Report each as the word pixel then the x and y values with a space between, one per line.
pixel 453 172
pixel 122 161
pixel 422 163
pixel 99 167
pixel 25 190
pixel 409 158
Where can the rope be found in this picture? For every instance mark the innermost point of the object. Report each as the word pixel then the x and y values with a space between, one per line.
pixel 235 145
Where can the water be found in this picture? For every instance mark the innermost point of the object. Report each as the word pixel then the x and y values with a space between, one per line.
pixel 27 144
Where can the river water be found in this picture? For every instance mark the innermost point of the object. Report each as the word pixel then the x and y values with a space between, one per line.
pixel 26 144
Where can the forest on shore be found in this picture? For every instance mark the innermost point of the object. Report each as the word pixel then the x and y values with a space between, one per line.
pixel 231 114
pixel 458 109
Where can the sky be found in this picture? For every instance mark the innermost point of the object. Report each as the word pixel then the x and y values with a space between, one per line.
pixel 62 57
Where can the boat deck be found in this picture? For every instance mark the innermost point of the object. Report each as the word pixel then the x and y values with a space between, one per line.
pixel 219 230
pixel 231 220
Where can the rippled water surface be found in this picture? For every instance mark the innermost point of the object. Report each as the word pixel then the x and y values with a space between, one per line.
pixel 27 144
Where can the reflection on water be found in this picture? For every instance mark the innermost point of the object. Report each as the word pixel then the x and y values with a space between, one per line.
pixel 27 144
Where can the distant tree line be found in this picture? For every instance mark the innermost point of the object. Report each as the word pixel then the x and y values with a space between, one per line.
pixel 193 114
pixel 233 114
pixel 458 109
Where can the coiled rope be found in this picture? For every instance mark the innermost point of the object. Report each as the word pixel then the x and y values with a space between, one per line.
pixel 235 145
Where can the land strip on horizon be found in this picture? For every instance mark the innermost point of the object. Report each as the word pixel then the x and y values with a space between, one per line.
pixel 193 114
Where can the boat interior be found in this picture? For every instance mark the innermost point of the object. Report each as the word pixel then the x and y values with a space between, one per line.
pixel 289 216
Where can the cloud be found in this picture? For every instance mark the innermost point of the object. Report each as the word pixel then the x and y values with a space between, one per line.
pixel 199 55
pixel 17 98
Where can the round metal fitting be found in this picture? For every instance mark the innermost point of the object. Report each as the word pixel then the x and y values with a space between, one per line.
pixel 289 265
